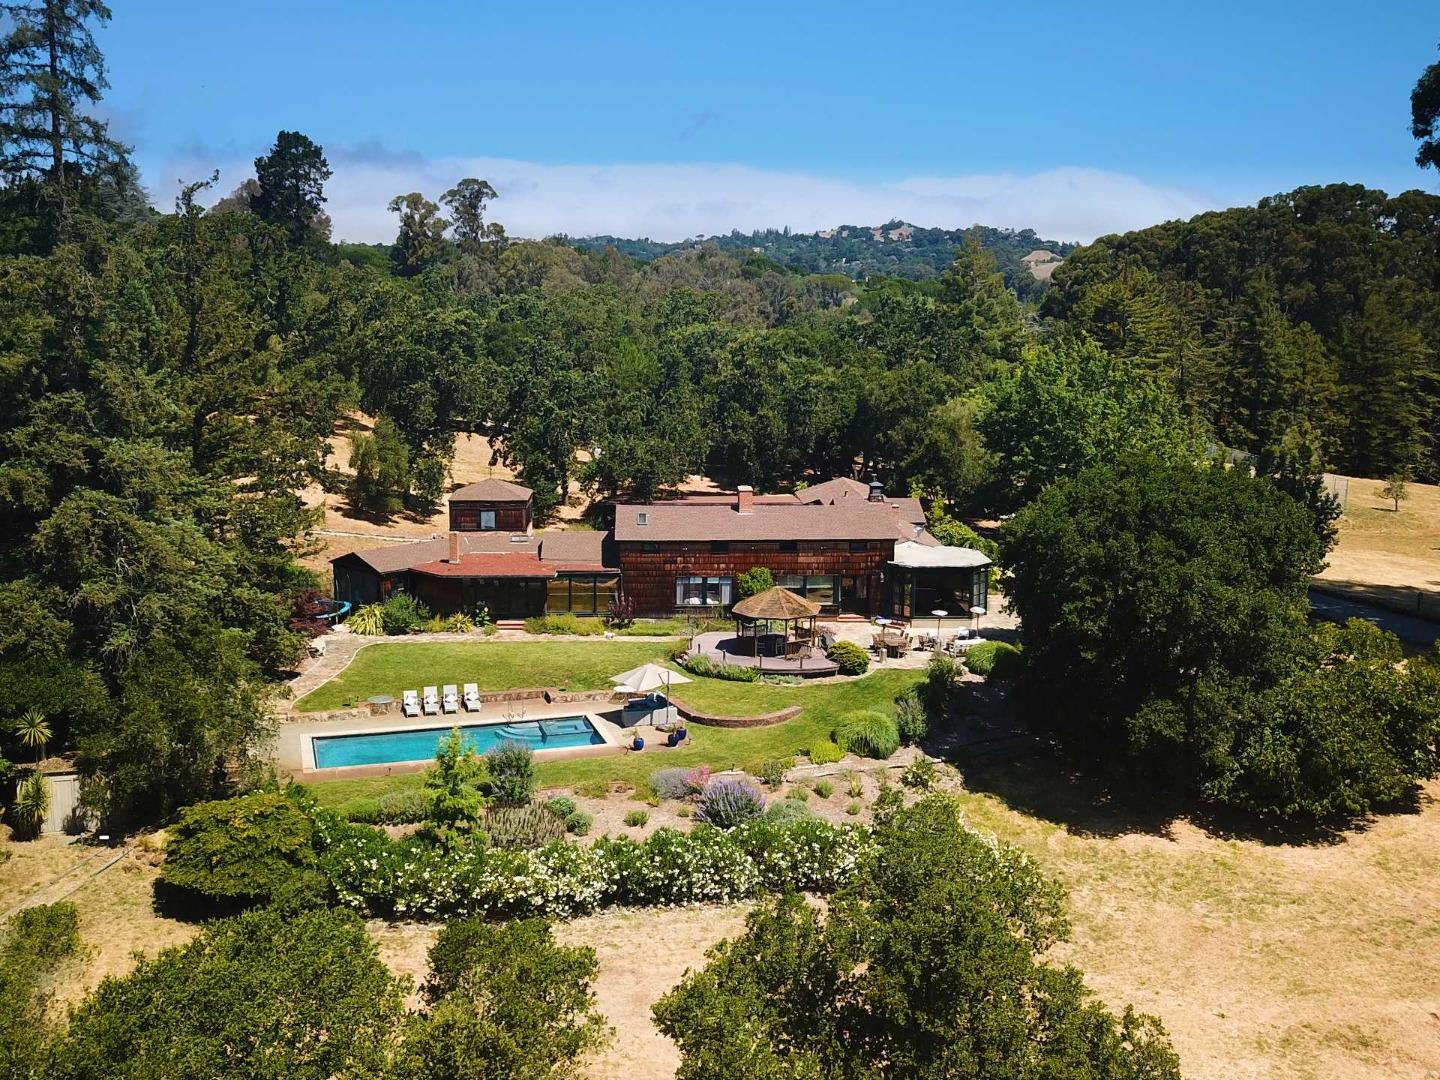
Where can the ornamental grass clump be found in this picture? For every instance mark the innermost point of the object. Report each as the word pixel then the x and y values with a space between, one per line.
pixel 868 732
pixel 824 752
pixel 728 802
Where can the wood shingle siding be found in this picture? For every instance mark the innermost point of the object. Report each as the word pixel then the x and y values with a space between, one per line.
pixel 649 575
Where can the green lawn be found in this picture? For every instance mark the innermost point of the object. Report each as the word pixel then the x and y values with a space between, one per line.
pixel 494 665
pixel 721 748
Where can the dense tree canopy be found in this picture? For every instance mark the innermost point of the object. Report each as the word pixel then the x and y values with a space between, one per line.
pixel 1317 306
pixel 1425 117
pixel 263 995
pixel 1068 406
pixel 926 966
pixel 278 994
pixel 1162 611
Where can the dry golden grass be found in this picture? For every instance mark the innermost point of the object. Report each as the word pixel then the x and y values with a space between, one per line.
pixel 1263 960
pixel 1385 548
pixel 1317 961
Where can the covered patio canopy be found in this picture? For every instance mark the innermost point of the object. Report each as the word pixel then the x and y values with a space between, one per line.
pixel 755 614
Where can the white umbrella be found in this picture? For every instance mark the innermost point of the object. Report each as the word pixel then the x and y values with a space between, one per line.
pixel 647 677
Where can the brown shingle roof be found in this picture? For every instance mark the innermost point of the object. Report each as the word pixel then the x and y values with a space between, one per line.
pixel 841 487
pixel 842 491
pixel 574 546
pixel 689 521
pixel 587 549
pixel 505 564
pixel 491 491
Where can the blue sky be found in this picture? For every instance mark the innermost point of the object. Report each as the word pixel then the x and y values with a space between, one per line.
pixel 671 119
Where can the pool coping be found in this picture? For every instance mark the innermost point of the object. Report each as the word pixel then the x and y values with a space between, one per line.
pixel 295 751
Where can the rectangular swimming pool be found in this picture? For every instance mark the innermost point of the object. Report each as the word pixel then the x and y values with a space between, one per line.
pixel 389 747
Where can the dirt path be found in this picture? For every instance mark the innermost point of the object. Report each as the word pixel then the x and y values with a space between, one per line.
pixel 68 883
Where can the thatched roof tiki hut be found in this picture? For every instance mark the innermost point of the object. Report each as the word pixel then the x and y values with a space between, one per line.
pixel 756 615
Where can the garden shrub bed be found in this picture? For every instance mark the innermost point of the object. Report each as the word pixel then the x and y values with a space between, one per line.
pixel 414 879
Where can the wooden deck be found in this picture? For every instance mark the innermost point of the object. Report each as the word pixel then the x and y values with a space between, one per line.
pixel 723 647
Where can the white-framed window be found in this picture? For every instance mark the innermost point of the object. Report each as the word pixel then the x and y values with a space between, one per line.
pixel 696 591
pixel 487 519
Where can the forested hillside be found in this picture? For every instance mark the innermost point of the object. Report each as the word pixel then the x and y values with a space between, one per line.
pixel 895 249
pixel 1311 318
pixel 169 381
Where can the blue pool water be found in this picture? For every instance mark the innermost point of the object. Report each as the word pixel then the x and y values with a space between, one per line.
pixel 384 748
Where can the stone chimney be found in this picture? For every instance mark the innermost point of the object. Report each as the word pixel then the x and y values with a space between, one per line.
pixel 454 548
pixel 744 499
pixel 877 491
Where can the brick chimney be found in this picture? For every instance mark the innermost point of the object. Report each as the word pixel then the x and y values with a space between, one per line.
pixel 877 491
pixel 454 548
pixel 744 499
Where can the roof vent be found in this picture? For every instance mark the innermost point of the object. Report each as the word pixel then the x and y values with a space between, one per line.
pixel 642 518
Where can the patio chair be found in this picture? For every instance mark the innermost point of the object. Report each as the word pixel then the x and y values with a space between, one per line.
pixel 430 703
pixel 410 703
pixel 450 699
pixel 472 697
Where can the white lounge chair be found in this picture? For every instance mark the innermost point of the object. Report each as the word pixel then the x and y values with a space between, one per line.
pixel 450 698
pixel 410 703
pixel 472 697
pixel 430 703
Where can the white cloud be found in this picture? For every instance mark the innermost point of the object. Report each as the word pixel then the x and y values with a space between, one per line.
pixel 673 202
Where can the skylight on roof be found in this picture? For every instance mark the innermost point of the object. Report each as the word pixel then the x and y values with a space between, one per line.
pixel 642 518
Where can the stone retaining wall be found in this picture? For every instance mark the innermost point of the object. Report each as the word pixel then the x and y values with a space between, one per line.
pixel 763 720
pixel 547 694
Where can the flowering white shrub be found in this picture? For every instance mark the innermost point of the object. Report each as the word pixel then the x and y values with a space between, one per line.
pixel 417 879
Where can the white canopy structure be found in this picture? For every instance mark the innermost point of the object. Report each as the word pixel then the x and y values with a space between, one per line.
pixel 922 557
pixel 647 677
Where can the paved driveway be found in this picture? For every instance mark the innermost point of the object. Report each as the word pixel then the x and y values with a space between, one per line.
pixel 1408 628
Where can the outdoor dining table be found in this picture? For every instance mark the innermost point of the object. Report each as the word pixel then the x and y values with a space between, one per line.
pixel 893 642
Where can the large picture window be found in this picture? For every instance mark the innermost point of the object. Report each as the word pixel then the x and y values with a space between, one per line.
pixel 487 519
pixel 582 594
pixel 821 588
pixel 695 591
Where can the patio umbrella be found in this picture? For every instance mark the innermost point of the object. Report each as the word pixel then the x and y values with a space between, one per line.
pixel 647 677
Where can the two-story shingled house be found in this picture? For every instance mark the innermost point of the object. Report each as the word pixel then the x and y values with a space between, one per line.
pixel 842 544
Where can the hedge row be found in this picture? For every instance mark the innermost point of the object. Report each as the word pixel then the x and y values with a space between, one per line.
pixel 417 879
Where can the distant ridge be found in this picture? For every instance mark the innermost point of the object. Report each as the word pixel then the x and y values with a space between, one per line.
pixel 895 249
